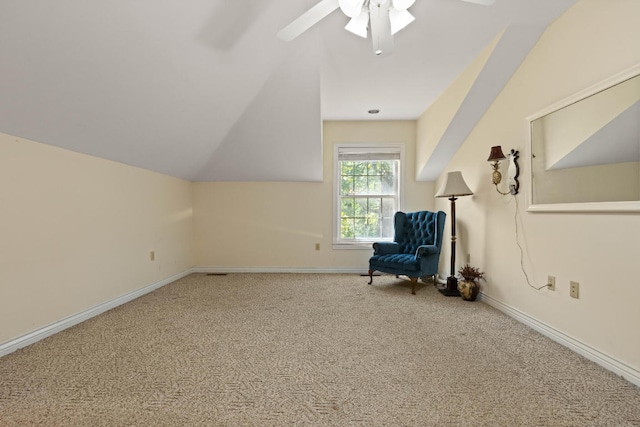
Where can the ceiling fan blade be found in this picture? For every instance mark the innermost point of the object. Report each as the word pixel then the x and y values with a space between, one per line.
pixel 307 20
pixel 380 28
pixel 482 2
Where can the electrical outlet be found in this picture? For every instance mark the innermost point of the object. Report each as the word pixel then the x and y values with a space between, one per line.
pixel 152 255
pixel 317 246
pixel 574 289
pixel 468 258
pixel 551 283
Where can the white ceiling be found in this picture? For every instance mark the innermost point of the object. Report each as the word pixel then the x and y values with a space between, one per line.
pixel 203 90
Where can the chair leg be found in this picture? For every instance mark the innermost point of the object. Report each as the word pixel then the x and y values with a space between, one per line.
pixel 414 280
pixel 370 277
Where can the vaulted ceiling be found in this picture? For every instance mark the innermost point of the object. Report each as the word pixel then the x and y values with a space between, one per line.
pixel 203 90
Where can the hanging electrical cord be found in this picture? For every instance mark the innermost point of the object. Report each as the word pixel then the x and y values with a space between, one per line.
pixel 522 250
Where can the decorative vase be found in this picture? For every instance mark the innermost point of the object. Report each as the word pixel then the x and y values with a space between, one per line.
pixel 469 289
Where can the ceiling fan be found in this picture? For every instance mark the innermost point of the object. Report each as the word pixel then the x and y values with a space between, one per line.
pixel 383 18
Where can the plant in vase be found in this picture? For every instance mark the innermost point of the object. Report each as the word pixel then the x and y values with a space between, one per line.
pixel 469 287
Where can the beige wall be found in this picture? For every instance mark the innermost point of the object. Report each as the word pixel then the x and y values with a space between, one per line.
pixel 275 225
pixel 435 121
pixel 592 41
pixel 77 231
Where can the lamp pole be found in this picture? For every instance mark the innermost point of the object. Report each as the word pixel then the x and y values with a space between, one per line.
pixel 453 187
pixel 452 282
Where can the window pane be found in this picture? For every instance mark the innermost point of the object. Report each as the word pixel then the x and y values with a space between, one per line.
pixel 388 207
pixel 368 190
pixel 375 206
pixel 367 217
pixel 346 185
pixel 347 230
pixel 360 184
pixel 360 168
pixel 346 168
pixel 348 207
pixel 387 227
pixel 360 207
pixel 387 167
pixel 374 168
pixel 373 226
pixel 388 184
pixel 375 184
pixel 360 227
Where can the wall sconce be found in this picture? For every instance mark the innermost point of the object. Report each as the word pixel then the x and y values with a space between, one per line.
pixel 496 156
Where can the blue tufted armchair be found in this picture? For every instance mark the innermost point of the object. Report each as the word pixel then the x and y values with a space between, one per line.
pixel 415 249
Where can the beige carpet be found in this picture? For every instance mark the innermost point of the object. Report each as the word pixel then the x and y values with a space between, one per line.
pixel 297 350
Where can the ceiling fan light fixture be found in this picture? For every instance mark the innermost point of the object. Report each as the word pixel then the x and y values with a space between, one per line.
pixel 380 29
pixel 351 8
pixel 359 24
pixel 399 19
pixel 402 4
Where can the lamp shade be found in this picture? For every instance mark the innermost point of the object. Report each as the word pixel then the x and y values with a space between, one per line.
pixel 454 186
pixel 496 154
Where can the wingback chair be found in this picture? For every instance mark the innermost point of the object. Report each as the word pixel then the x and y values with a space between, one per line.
pixel 415 249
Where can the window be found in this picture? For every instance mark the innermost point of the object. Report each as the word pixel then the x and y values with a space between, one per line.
pixel 367 193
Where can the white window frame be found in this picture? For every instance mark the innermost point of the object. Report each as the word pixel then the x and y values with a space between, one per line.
pixel 391 147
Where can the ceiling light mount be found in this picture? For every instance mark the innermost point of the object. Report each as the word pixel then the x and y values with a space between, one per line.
pixel 381 18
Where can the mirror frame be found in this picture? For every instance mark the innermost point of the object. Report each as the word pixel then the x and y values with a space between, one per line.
pixel 623 206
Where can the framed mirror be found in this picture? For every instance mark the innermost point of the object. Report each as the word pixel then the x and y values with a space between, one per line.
pixel 584 151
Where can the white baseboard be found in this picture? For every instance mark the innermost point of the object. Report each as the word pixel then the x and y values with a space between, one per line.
pixel 221 270
pixel 67 322
pixel 620 368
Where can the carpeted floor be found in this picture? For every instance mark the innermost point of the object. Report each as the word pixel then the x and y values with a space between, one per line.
pixel 297 350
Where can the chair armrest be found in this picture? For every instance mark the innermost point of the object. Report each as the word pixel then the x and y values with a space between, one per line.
pixel 425 250
pixel 385 248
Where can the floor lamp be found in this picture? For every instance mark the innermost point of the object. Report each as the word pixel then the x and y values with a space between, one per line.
pixel 453 187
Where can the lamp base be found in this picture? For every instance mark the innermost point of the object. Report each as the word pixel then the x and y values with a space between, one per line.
pixel 451 290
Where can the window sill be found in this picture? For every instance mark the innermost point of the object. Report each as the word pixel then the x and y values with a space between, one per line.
pixel 359 246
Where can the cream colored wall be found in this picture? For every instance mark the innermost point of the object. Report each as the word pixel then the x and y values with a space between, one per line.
pixel 433 123
pixel 593 40
pixel 77 231
pixel 275 225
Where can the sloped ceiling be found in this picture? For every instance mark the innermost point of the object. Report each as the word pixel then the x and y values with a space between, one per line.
pixel 203 90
